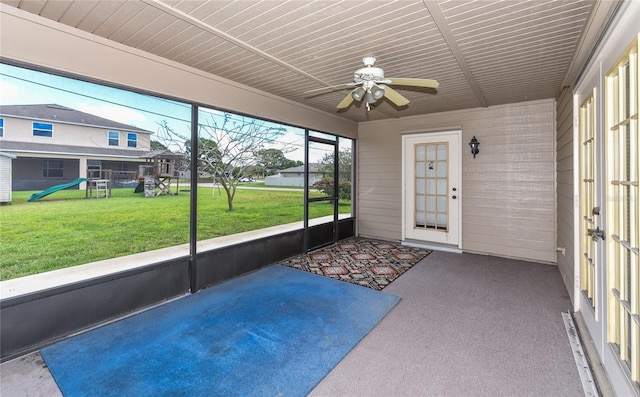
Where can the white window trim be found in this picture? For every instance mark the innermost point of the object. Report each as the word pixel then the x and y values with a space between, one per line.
pixel 33 129
pixel 130 140
pixel 109 138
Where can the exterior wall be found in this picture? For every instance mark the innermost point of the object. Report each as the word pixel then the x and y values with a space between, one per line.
pixel 508 190
pixel 5 178
pixel 27 175
pixel 21 130
pixel 34 40
pixel 564 195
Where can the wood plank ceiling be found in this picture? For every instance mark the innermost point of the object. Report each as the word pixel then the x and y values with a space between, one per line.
pixel 483 53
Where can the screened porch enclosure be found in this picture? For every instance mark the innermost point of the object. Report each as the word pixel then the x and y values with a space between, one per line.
pixel 548 89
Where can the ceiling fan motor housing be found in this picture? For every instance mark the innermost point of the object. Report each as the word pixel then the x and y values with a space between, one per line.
pixel 368 74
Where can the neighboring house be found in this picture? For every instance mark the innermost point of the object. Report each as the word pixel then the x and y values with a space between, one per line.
pixel 294 176
pixel 5 177
pixel 55 144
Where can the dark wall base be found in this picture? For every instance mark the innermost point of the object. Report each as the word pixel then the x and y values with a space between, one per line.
pixel 222 264
pixel 32 321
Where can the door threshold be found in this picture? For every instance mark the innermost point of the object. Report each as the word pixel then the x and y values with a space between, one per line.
pixel 430 246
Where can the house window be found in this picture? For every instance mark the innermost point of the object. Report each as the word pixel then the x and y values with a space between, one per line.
pixel 1 127
pixel 623 217
pixel 43 129
pixel 114 138
pixel 52 168
pixel 132 139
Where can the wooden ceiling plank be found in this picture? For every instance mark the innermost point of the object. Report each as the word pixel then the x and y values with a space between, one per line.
pixel 440 21
pixel 54 10
pixel 120 17
pixel 97 16
pixel 76 12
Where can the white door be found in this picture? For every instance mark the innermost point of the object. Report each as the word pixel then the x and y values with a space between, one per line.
pixel 431 178
pixel 590 231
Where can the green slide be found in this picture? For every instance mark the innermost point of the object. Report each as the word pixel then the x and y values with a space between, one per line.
pixel 37 196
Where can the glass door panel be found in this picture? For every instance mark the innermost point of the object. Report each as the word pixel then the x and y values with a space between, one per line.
pixel 431 186
pixel 321 194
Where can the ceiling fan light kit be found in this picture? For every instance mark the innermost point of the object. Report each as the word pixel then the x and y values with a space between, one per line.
pixel 372 86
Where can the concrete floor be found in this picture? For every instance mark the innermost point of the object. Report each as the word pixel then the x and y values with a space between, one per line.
pixel 467 325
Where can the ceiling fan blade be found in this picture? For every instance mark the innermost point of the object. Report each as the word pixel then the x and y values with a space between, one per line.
pixel 395 97
pixel 331 88
pixel 428 83
pixel 348 100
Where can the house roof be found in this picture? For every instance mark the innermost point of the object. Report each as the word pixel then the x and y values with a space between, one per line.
pixel 313 167
pixel 11 156
pixel 32 147
pixel 161 154
pixel 62 114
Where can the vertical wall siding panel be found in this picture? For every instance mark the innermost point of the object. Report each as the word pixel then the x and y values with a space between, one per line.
pixel 508 190
pixel 564 139
pixel 379 203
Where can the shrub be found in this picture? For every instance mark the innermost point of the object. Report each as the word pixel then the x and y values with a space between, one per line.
pixel 326 186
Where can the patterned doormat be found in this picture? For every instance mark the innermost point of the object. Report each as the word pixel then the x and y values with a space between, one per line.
pixel 369 263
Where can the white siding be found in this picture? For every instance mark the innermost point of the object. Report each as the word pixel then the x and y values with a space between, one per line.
pixel 508 190
pixel 564 168
pixel 5 178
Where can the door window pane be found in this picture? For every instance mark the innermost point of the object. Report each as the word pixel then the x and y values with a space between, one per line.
pixel 433 183
pixel 623 245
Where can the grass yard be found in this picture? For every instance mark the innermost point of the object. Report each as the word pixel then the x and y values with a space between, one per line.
pixel 65 229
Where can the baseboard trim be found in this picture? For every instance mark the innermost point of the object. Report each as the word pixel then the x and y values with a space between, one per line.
pixel 432 247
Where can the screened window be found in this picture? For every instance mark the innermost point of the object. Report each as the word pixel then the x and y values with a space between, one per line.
pixel 132 139
pixel 52 168
pixel 43 129
pixel 1 127
pixel 114 138
pixel 623 213
pixel 234 150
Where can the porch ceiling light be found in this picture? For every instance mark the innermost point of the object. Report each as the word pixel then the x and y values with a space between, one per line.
pixel 474 146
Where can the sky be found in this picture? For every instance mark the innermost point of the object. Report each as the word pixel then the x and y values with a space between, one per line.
pixel 19 86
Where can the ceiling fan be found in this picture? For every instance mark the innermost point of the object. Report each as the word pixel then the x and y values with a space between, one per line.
pixel 371 86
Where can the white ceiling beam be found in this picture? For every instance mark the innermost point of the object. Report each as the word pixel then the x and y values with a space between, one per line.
pixel 233 40
pixel 447 34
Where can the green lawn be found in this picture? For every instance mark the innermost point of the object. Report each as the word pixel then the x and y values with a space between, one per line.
pixel 65 229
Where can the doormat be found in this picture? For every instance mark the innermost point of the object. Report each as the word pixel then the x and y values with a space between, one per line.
pixel 370 263
pixel 274 332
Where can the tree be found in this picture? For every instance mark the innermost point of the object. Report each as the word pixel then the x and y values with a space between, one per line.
pixel 326 165
pixel 228 147
pixel 274 159
pixel 155 145
pixel 345 164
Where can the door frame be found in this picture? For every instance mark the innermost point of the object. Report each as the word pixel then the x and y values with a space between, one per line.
pixel 434 135
pixel 320 235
